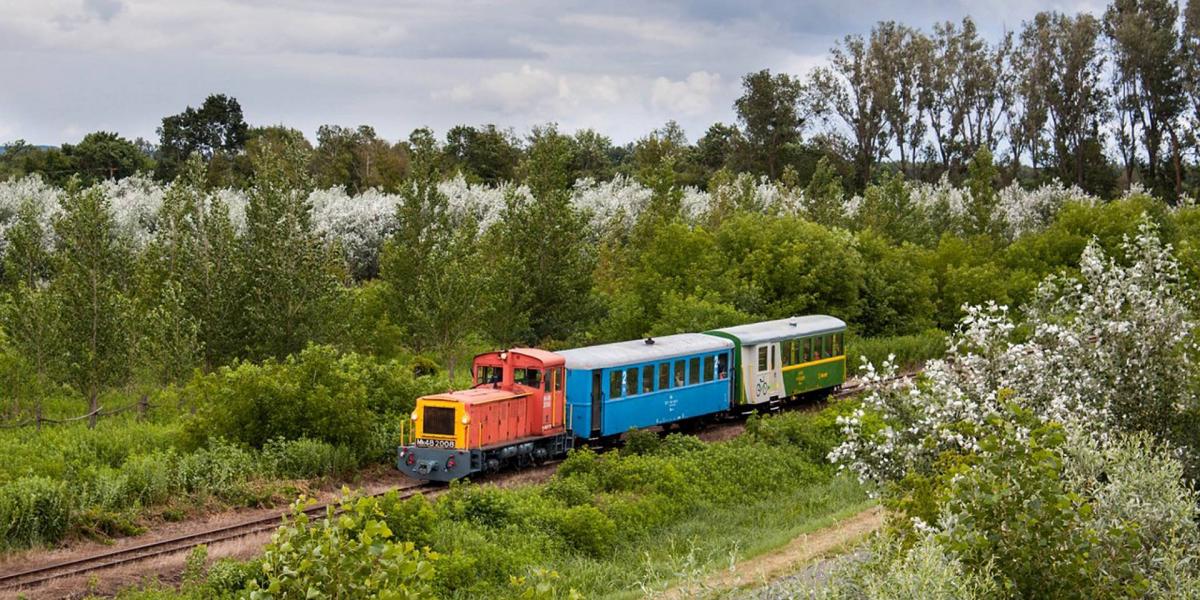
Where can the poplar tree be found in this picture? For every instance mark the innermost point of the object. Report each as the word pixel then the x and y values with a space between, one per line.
pixel 289 281
pixel 92 307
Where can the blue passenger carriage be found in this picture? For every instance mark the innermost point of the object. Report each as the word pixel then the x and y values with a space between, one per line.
pixel 612 388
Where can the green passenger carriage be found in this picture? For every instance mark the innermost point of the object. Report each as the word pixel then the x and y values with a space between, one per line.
pixel 786 358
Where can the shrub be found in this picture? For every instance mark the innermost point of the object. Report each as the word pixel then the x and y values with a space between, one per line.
pixel 587 530
pixel 641 441
pixel 911 351
pixel 317 394
pixel 359 557
pixel 33 510
pixel 305 458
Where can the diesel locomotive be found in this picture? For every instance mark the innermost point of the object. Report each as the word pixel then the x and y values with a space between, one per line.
pixel 528 405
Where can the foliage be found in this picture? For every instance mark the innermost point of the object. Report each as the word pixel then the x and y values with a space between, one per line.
pixel 317 394
pixel 351 553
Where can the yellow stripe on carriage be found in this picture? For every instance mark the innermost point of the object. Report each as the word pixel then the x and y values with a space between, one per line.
pixel 817 362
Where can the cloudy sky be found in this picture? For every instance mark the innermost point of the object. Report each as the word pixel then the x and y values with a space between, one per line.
pixel 624 67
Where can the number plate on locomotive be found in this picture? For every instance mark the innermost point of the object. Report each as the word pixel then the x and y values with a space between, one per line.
pixel 424 443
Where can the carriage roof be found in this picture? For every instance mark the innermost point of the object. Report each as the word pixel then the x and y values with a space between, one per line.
pixel 784 329
pixel 640 351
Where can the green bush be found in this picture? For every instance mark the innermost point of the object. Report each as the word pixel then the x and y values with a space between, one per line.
pixel 587 530
pixel 911 351
pixel 359 557
pixel 306 459
pixel 317 394
pixel 33 510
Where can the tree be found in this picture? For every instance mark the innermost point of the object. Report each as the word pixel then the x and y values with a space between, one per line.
pixel 289 278
pixel 216 129
pixel 964 87
pixel 90 264
pixel 595 156
pixel 357 159
pixel 716 149
pixel 542 266
pixel 31 317
pixel 768 110
pixel 981 181
pixel 906 56
pixel 854 89
pixel 196 254
pixel 103 155
pixel 1149 90
pixel 488 154
pixel 424 236
pixel 824 196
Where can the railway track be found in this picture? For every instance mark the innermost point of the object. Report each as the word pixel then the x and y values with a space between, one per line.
pixel 183 543
pixel 124 556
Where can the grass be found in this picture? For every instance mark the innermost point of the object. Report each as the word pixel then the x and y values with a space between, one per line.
pixel 712 541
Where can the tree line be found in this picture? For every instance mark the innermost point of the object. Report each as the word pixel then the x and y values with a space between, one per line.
pixel 1099 101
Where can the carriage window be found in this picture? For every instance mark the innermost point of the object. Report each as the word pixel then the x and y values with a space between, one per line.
pixel 694 371
pixel 558 379
pixel 647 379
pixel 839 342
pixel 614 384
pixel 723 366
pixel 631 378
pixel 708 368
pixel 679 372
pixel 664 376
pixel 762 358
pixel 806 352
pixel 827 349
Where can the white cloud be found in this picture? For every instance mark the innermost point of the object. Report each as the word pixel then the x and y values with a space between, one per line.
pixel 691 97
pixel 649 30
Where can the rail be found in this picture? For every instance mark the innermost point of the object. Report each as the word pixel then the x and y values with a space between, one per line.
pixel 174 545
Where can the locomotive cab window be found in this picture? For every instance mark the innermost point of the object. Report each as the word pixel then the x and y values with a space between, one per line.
pixel 439 420
pixel 558 380
pixel 614 384
pixel 529 377
pixel 488 375
pixel 647 379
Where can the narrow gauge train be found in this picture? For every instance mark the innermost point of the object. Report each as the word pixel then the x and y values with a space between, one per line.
pixel 528 405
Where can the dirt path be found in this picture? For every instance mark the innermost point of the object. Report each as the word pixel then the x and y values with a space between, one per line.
pixel 785 560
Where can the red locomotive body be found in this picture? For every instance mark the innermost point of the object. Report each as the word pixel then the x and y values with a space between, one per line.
pixel 514 412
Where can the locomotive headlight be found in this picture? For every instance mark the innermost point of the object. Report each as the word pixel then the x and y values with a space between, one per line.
pixel 466 419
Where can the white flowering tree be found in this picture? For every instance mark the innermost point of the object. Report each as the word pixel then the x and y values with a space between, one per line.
pixel 1109 350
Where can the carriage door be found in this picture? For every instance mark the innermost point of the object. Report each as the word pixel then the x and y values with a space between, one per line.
pixel 597 402
pixel 766 373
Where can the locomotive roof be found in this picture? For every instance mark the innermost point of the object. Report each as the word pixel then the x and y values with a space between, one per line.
pixel 784 329
pixel 639 351
pixel 476 395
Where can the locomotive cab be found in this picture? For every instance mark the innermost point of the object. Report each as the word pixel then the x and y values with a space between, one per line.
pixel 513 413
